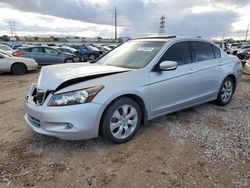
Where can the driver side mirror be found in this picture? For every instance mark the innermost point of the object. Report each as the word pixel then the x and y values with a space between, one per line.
pixel 167 65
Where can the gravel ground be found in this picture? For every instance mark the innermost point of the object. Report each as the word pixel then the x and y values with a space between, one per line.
pixel 204 146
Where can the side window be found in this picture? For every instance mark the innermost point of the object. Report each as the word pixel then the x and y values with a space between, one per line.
pixel 217 53
pixel 50 51
pixel 203 51
pixel 37 50
pixel 179 52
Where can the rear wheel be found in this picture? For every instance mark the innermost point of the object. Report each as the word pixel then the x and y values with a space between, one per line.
pixel 226 92
pixel 121 120
pixel 19 69
pixel 92 57
pixel 69 60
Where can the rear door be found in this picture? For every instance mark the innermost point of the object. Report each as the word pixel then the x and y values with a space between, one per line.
pixel 207 72
pixel 173 90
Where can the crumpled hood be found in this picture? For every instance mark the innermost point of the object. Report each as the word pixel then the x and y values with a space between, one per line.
pixel 54 75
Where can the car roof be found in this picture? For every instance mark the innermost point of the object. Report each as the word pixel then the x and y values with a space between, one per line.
pixel 173 38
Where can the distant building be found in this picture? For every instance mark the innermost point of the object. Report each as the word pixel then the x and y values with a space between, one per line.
pixel 73 39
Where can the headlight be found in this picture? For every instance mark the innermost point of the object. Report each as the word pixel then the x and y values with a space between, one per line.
pixel 75 97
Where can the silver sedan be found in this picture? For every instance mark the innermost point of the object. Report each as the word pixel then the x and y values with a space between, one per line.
pixel 136 82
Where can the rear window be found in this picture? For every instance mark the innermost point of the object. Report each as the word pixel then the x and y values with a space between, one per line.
pixel 203 51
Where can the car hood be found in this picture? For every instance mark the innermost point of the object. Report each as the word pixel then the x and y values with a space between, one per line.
pixel 54 77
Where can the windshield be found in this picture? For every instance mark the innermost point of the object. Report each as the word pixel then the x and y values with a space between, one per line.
pixel 135 54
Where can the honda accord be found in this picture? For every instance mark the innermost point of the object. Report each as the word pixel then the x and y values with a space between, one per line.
pixel 136 82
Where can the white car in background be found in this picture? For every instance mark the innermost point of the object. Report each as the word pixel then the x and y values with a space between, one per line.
pixel 16 65
pixel 6 48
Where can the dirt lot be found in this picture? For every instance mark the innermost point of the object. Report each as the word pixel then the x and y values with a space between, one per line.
pixel 204 146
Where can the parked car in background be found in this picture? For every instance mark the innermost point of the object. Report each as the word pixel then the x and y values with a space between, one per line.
pixel 137 81
pixel 244 56
pixel 67 49
pixel 234 48
pixel 46 55
pixel 5 52
pixel 6 48
pixel 223 45
pixel 16 46
pixel 112 46
pixel 89 52
pixel 104 49
pixel 243 48
pixel 16 65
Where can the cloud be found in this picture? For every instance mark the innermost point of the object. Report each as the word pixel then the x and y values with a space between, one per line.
pixel 140 17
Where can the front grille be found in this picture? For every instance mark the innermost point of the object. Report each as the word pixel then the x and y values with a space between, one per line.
pixel 34 121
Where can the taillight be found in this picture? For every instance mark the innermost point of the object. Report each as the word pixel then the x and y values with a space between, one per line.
pixel 18 53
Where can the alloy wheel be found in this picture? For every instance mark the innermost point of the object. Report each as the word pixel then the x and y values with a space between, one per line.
pixel 123 121
pixel 227 91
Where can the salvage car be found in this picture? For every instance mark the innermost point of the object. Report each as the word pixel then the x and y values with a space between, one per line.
pixel 16 65
pixel 136 82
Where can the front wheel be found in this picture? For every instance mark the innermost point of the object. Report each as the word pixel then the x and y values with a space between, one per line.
pixel 19 69
pixel 226 92
pixel 121 120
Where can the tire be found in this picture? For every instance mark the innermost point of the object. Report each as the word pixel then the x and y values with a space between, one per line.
pixel 226 92
pixel 235 52
pixel 69 60
pixel 19 69
pixel 92 57
pixel 121 120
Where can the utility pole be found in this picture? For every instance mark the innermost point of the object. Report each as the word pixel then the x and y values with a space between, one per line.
pixel 12 27
pixel 115 23
pixel 162 30
pixel 247 32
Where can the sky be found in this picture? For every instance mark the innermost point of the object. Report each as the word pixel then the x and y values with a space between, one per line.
pixel 135 18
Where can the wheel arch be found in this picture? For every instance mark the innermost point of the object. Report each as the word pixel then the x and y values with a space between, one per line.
pixel 138 99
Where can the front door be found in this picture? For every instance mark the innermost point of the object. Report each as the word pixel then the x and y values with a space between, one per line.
pixel 173 90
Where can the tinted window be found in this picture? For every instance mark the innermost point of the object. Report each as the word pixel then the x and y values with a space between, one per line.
pixel 217 53
pixel 179 52
pixel 39 50
pixel 203 51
